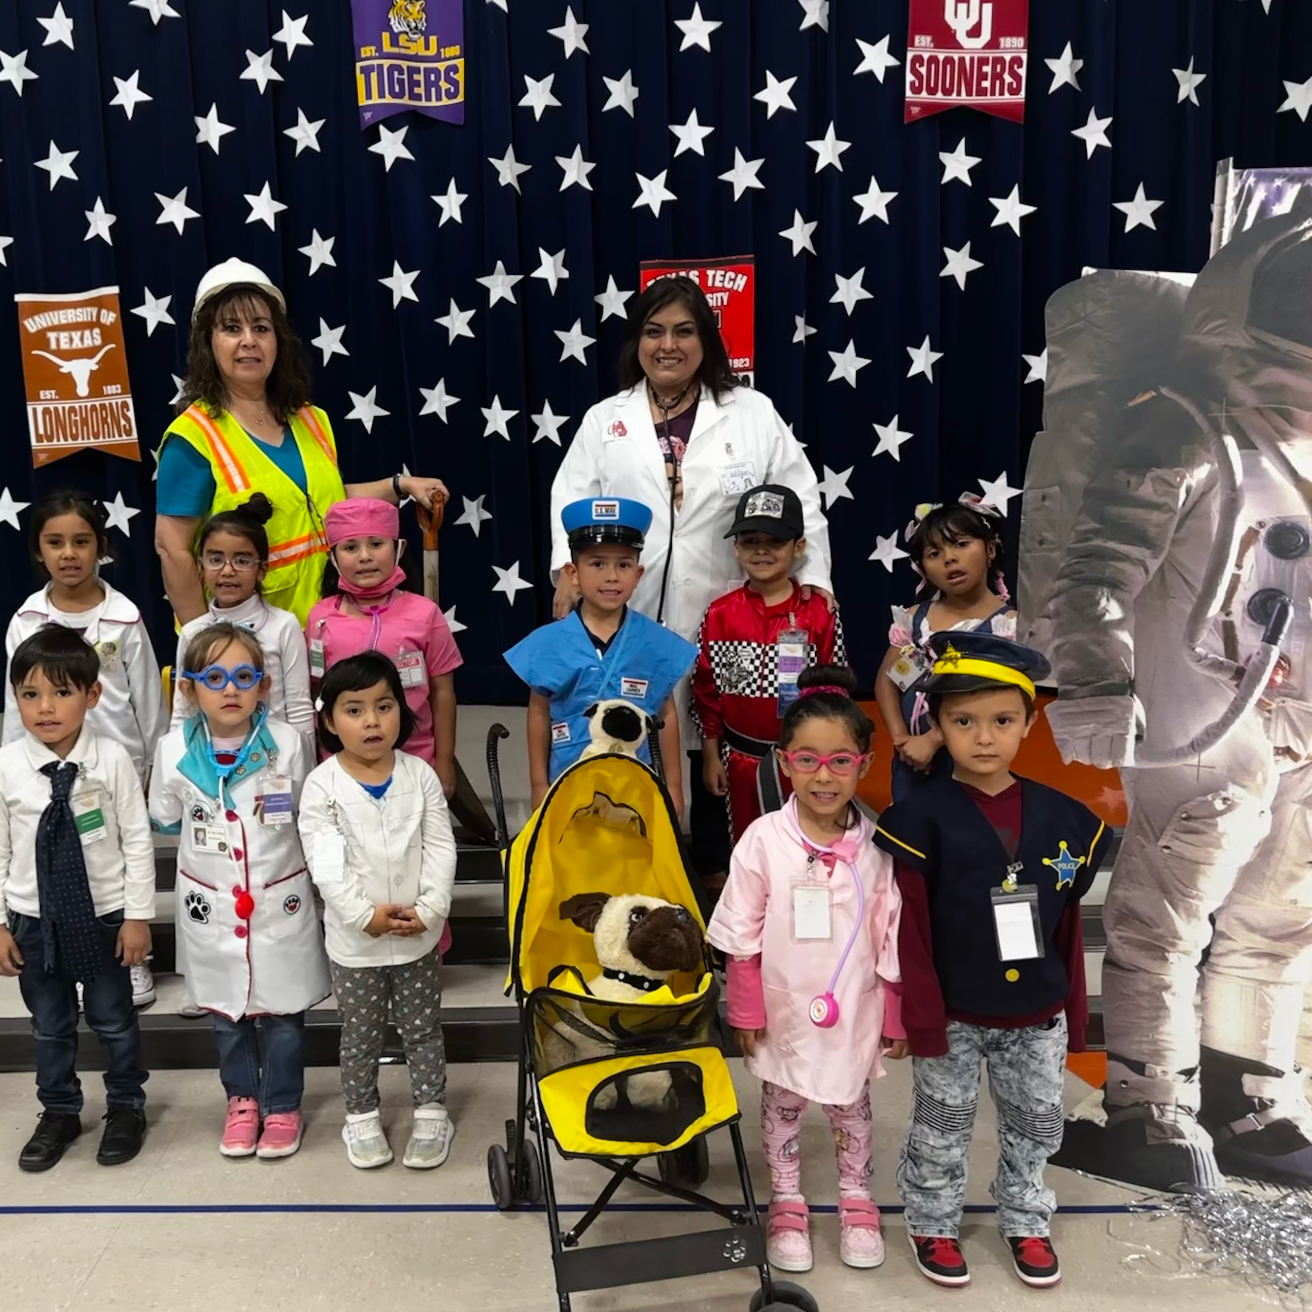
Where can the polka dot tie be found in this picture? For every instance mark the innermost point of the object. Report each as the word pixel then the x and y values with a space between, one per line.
pixel 69 929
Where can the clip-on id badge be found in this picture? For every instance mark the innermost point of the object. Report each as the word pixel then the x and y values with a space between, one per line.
pixel 910 667
pixel 790 661
pixel 812 918
pixel 276 804
pixel 1016 920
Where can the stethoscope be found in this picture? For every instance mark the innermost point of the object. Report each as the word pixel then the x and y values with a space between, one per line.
pixel 824 1009
pixel 665 407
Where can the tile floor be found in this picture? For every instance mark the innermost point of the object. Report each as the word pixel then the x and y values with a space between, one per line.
pixel 182 1224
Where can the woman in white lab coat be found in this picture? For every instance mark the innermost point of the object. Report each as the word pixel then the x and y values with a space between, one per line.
pixel 686 439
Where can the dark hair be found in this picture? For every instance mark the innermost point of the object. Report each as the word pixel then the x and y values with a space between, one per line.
pixel 413 582
pixel 954 685
pixel 212 639
pixel 63 655
pixel 355 674
pixel 945 524
pixel 714 372
pixel 827 705
pixel 246 520
pixel 576 552
pixel 288 385
pixel 67 502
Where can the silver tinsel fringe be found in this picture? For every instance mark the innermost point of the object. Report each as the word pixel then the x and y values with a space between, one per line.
pixel 1263 1239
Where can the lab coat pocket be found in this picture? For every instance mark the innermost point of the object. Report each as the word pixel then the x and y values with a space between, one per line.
pixel 288 903
pixel 785 1019
pixel 197 908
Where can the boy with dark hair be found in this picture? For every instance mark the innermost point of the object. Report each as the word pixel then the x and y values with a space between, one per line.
pixel 991 869
pixel 77 893
pixel 602 650
pixel 755 641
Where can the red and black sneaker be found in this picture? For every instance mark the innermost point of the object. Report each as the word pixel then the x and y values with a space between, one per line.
pixel 939 1259
pixel 1035 1260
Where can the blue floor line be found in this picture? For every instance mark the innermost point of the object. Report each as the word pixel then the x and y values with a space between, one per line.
pixel 237 1209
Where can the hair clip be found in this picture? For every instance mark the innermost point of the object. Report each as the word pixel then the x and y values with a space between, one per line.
pixel 318 704
pixel 923 509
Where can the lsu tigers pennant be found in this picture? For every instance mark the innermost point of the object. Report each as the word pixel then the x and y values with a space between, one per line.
pixel 967 52
pixel 410 54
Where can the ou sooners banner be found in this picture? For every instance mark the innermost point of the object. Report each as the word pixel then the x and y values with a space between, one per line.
pixel 410 54
pixel 730 287
pixel 967 52
pixel 75 370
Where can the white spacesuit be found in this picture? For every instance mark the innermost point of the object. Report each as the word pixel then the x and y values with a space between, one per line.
pixel 1191 550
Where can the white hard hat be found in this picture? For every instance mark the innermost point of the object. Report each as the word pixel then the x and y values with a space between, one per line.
pixel 234 273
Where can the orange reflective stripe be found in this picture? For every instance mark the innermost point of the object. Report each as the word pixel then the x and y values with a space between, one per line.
pixel 233 474
pixel 296 548
pixel 308 418
pixel 314 549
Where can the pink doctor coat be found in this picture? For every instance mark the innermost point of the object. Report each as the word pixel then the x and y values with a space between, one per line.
pixel 755 918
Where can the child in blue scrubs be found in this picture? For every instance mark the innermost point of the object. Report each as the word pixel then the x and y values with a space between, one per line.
pixel 603 650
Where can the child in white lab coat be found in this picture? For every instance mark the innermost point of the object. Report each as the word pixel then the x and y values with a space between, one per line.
pixel 378 839
pixel 229 780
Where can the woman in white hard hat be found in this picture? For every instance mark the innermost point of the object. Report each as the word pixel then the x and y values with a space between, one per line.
pixel 245 422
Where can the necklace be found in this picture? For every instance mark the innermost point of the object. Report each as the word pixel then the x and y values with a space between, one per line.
pixel 262 414
pixel 672 403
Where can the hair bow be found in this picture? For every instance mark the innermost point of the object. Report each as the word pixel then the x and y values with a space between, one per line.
pixel 971 500
pixel 919 514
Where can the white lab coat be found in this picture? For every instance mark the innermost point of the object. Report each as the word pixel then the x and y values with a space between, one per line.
pixel 131 708
pixel 285 660
pixel 273 963
pixel 365 852
pixel 737 443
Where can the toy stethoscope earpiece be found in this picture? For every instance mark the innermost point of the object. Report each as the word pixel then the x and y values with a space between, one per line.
pixel 823 1010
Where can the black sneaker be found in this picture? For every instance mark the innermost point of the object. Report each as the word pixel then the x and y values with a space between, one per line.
pixel 125 1128
pixel 1035 1260
pixel 54 1132
pixel 939 1259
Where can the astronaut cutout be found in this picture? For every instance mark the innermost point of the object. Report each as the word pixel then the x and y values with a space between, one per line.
pixel 1193 528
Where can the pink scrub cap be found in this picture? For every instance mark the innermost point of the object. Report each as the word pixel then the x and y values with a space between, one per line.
pixel 362 517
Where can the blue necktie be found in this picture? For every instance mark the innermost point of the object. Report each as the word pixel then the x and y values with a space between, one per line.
pixel 69 931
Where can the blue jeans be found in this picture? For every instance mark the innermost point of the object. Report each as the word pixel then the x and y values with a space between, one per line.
pixel 107 1002
pixel 279 1082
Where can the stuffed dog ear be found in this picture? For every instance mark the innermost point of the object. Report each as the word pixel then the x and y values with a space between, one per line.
pixel 584 909
pixel 591 711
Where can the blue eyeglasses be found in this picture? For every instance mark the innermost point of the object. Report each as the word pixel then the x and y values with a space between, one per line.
pixel 216 678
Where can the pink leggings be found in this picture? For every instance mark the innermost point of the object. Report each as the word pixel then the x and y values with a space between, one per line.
pixel 781 1115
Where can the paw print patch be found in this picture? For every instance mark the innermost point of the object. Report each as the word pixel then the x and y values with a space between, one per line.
pixel 291 904
pixel 197 908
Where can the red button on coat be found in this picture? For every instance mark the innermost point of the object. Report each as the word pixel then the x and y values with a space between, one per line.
pixel 245 905
pixel 241 931
pixel 231 816
pixel 236 854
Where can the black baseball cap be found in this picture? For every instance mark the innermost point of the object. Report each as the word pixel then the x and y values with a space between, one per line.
pixel 771 509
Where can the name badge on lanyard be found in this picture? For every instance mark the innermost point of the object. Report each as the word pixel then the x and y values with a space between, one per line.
pixel 275 804
pixel 790 661
pixel 316 658
pixel 410 666
pixel 1016 921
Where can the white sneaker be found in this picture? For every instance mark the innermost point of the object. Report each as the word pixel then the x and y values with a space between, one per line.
pixel 79 995
pixel 366 1144
pixel 143 985
pixel 430 1139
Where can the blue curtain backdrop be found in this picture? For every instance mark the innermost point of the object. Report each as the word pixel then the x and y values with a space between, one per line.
pixel 972 422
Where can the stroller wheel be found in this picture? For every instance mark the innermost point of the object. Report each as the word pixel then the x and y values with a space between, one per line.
pixel 785 1296
pixel 531 1178
pixel 499 1178
pixel 689 1166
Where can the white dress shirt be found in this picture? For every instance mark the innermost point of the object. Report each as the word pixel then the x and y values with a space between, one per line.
pixel 120 858
pixel 365 852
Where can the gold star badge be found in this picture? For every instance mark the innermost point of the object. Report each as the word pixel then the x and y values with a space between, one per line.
pixel 950 656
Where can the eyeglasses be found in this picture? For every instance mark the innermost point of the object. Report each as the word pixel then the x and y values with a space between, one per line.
pixel 216 678
pixel 841 763
pixel 241 562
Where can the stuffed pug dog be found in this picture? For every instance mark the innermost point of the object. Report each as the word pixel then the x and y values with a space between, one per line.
pixel 615 726
pixel 640 942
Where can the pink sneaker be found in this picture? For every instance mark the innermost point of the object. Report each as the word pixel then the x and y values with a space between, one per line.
pixel 787 1242
pixel 282 1134
pixel 241 1128
pixel 860 1241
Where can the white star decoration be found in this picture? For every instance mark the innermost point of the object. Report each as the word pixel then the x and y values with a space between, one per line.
pixel 400 284
pixel 815 13
pixel 260 69
pixel 743 174
pixel 575 169
pixel 319 251
pixel 58 164
pixel 59 28
pixel 997 491
pixel 175 210
pixel 306 133
pixel 696 30
pixel 437 400
pixel 263 207
pixel 802 330
pixel 847 364
pixel 450 615
pixel 623 93
pixel 474 516
pixel 1064 69
pixel 959 265
pixel 828 149
pixel 1094 132
pixel 391 146
pixel 574 343
pixel 1298 98
pixel 14 70
pixel 833 487
pixel 538 95
pixel 500 285
pixel 9 509
pixel 1038 366
pixel 292 33
pixel 957 164
pixel 690 136
pixel 509 582
pixel 129 94
pixel 1010 210
pixel 209 131
pixel 570 34
pixel 456 322
pixel 551 269
pixel 119 515
pixel 5 243
pixel 891 439
pixel 157 9
pixel 800 233
pixel 775 94
pixel 1139 211
pixel 923 359
pixel 508 169
pixel 887 552
pixel 497 417
pixel 874 202
pixel 1189 82
pixel 365 408
pixel 612 301
pixel 329 341
pixel 449 203
pixel 154 310
pixel 850 291
pixel 99 221
pixel 875 58
pixel 653 192
pixel 548 424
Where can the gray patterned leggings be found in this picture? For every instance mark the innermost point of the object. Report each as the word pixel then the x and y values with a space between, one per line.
pixel 415 993
pixel 1025 1081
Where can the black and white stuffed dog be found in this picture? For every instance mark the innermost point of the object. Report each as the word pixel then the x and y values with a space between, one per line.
pixel 615 726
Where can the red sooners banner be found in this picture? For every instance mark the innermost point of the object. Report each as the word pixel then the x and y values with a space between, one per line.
pixel 730 286
pixel 967 52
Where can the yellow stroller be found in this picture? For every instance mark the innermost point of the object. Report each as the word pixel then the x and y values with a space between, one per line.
pixel 608 825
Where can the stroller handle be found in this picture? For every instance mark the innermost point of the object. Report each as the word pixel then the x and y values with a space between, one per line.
pixel 494 735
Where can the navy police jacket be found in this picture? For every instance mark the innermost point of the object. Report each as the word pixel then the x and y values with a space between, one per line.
pixel 940 833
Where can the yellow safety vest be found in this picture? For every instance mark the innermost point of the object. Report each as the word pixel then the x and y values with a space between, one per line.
pixel 298 544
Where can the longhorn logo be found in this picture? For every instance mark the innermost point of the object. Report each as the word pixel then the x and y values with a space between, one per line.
pixel 962 15
pixel 81 369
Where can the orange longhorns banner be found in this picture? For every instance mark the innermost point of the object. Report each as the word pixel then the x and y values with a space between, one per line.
pixel 75 369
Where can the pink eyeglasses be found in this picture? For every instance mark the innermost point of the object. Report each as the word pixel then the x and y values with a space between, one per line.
pixel 840 763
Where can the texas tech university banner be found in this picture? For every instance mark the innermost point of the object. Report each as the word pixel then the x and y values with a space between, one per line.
pixel 730 287
pixel 967 52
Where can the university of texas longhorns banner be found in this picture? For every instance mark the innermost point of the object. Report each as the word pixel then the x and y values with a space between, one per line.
pixel 967 52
